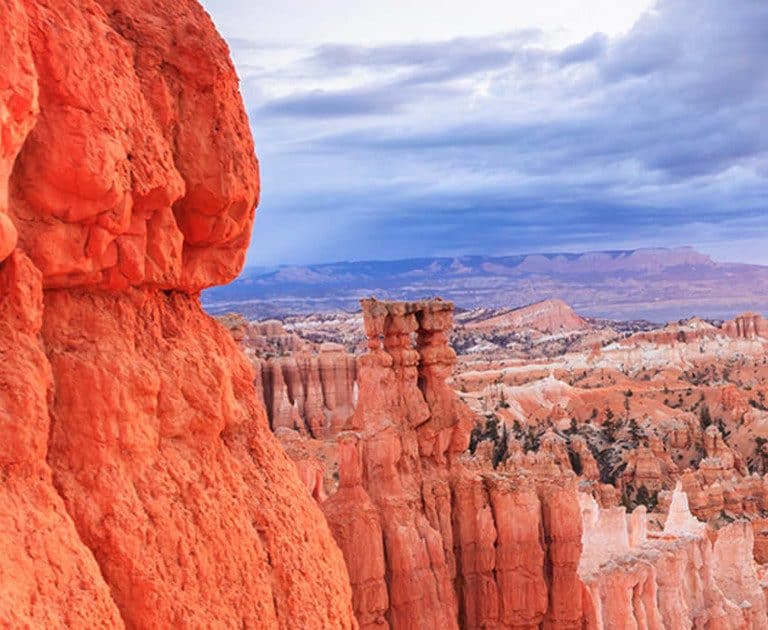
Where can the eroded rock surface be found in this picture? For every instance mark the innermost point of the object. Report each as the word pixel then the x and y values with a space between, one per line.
pixel 747 326
pixel 139 481
pixel 306 387
pixel 462 546
pixel 140 167
pixel 676 579
pixel 434 537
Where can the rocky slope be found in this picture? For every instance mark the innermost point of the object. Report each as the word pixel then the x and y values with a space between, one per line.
pixel 549 316
pixel 140 483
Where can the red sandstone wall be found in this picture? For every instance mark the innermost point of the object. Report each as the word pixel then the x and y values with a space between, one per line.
pixel 139 482
pixel 313 393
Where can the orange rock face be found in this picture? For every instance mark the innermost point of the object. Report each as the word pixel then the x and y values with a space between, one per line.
pixel 313 393
pixel 139 169
pixel 455 544
pixel 356 526
pixel 18 106
pixel 306 387
pixel 170 430
pixel 650 467
pixel 139 481
pixel 48 576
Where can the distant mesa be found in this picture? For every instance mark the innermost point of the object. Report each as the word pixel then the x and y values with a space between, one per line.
pixel 654 284
pixel 547 316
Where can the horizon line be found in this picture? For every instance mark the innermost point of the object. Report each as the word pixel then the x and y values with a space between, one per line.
pixel 510 255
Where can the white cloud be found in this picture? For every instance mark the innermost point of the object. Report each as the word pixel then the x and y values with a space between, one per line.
pixel 312 22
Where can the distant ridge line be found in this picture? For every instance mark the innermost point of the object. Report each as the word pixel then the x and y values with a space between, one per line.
pixel 469 257
pixel 658 284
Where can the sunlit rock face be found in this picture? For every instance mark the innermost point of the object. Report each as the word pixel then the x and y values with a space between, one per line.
pixel 313 393
pixel 680 521
pixel 431 539
pixel 139 168
pixel 306 387
pixel 140 484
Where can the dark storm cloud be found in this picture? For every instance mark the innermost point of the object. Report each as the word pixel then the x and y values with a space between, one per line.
pixel 698 142
pixel 481 223
pixel 501 144
pixel 500 224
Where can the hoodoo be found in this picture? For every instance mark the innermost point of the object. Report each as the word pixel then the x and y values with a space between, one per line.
pixel 139 482
pixel 437 538
pixel 455 544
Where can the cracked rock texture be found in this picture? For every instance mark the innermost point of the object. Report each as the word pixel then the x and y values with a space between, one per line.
pixel 140 485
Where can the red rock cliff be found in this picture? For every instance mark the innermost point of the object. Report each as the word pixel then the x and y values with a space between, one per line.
pixel 313 393
pixel 434 538
pixel 432 541
pixel 675 579
pixel 139 482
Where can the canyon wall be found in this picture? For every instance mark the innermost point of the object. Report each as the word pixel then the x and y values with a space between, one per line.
pixel 677 578
pixel 311 392
pixel 747 326
pixel 140 483
pixel 306 387
pixel 435 537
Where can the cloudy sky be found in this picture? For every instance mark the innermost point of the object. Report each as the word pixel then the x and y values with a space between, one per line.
pixel 403 128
